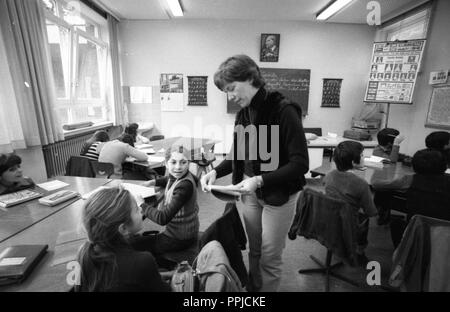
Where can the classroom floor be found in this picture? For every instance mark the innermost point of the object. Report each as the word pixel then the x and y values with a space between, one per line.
pixel 297 252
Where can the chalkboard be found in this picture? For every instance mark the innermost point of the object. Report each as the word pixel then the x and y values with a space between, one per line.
pixel 197 90
pixel 292 83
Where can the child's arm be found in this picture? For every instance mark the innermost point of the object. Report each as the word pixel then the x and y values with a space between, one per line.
pixel 396 148
pixel 402 183
pixel 133 152
pixel 181 194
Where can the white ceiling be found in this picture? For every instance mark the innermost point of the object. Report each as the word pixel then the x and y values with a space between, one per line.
pixel 279 10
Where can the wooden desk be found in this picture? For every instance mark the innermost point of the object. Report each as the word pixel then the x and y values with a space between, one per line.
pixel 193 145
pixel 49 276
pixel 388 172
pixel 18 218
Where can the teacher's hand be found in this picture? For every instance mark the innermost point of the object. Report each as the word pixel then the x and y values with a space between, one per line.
pixel 248 185
pixel 208 179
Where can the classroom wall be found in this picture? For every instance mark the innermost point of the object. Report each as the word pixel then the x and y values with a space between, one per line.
pixel 410 119
pixel 197 47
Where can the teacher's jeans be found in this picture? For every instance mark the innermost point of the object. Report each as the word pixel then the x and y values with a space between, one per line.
pixel 267 227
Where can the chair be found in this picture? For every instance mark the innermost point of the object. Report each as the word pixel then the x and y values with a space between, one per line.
pixel 206 163
pixel 332 223
pixel 102 169
pixel 79 166
pixel 156 137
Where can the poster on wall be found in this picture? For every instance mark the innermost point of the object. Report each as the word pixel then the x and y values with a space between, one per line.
pixel 197 86
pixel 171 92
pixel 331 92
pixel 439 110
pixel 393 71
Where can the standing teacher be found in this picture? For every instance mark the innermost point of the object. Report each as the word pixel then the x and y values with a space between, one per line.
pixel 269 195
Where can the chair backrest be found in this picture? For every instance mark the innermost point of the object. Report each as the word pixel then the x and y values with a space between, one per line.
pixel 316 131
pixel 156 137
pixel 79 166
pixel 102 169
pixel 330 221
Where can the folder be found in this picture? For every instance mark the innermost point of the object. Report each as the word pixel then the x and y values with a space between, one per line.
pixel 17 262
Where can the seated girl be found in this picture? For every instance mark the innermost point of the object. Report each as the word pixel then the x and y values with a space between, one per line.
pixel 108 262
pixel 89 148
pixel 11 177
pixel 177 209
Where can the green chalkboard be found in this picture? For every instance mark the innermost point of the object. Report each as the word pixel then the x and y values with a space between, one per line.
pixel 292 83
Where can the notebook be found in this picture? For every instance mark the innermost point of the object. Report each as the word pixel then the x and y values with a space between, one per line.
pixel 17 262
pixel 18 197
pixel 58 197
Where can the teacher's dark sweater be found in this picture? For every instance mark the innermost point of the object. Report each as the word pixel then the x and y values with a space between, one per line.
pixel 271 109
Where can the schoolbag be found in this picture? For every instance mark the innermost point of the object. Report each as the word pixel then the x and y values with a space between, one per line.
pixel 211 272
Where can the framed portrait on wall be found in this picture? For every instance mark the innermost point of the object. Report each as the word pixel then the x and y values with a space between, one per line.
pixel 270 47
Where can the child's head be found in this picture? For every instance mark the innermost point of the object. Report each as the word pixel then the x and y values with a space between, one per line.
pixel 386 136
pixel 347 154
pixel 131 129
pixel 439 140
pixel 127 138
pixel 101 136
pixel 429 161
pixel 109 216
pixel 10 171
pixel 177 160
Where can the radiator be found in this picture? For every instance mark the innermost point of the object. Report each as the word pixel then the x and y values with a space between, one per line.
pixel 57 154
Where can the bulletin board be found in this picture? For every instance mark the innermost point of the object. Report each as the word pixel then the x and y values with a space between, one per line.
pixel 439 110
pixel 197 88
pixel 393 71
pixel 292 83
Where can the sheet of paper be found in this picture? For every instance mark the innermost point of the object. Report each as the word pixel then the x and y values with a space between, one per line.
pixel 157 159
pixel 87 195
pixel 143 146
pixel 228 189
pixel 447 171
pixel 136 189
pixel 374 159
pixel 52 185
pixel 148 150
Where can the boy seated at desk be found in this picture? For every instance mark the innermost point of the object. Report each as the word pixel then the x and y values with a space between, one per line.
pixel 117 151
pixel 132 129
pixel 389 140
pixel 342 184
pixel 429 166
pixel 440 141
pixel 11 177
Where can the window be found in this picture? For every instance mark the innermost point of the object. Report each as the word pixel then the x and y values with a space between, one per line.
pixel 409 26
pixel 78 45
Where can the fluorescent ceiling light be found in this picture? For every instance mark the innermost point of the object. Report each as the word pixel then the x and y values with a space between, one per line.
pixel 332 9
pixel 175 7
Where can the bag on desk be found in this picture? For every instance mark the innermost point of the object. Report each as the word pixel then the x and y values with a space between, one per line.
pixel 17 262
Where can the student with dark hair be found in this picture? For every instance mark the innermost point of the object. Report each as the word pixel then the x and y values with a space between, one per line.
pixel 177 210
pixel 117 150
pixel 97 137
pixel 343 184
pixel 440 140
pixel 132 129
pixel 11 177
pixel 389 140
pixel 429 180
pixel 108 262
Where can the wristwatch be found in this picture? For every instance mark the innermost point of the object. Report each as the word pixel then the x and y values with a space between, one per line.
pixel 259 181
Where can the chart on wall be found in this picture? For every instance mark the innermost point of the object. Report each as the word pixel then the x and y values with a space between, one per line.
pixel 197 88
pixel 393 71
pixel 292 83
pixel 171 92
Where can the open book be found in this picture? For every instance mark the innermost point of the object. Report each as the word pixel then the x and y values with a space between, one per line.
pixel 18 197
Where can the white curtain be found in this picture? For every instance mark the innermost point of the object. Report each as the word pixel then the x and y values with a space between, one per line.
pixel 120 109
pixel 24 35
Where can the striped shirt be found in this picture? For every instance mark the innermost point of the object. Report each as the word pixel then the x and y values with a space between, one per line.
pixel 92 152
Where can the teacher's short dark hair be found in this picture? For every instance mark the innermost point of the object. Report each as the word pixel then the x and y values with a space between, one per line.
pixel 429 161
pixel 347 153
pixel 238 68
